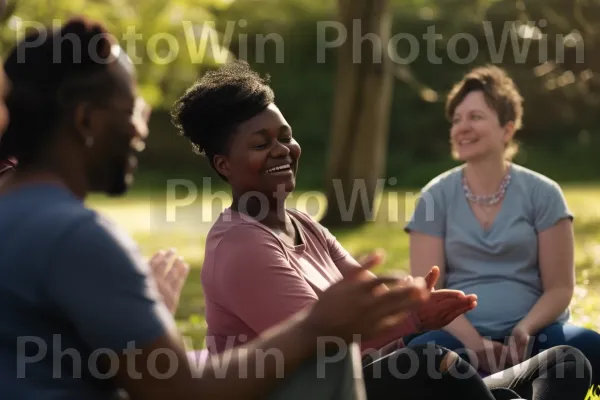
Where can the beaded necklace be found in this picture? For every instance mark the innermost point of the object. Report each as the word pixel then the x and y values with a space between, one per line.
pixel 487 200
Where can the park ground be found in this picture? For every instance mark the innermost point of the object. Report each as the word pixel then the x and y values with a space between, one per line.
pixel 155 225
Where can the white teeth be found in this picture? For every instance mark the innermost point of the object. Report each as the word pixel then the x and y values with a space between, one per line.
pixel 469 141
pixel 280 168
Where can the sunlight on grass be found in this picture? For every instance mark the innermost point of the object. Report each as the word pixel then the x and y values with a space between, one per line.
pixel 156 226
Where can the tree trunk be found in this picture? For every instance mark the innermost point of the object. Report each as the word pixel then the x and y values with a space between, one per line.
pixel 363 93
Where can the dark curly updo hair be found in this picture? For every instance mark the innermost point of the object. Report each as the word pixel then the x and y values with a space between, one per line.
pixel 209 111
pixel 50 72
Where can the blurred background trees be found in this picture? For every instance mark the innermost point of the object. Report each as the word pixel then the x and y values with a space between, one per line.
pixel 373 119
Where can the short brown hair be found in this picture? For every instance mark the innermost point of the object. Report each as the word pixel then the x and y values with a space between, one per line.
pixel 500 93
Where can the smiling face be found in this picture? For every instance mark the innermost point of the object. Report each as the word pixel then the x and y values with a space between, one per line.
pixel 476 132
pixel 263 155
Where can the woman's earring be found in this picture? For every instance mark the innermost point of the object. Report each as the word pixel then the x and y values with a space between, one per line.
pixel 89 141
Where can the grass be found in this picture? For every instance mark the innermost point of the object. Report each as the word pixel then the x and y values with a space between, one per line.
pixel 155 226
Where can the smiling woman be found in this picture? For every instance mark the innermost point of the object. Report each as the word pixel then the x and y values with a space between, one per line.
pixel 499 230
pixel 265 262
pixel 263 159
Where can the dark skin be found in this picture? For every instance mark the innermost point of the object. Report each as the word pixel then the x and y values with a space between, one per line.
pixel 67 161
pixel 104 167
pixel 261 143
pixel 266 141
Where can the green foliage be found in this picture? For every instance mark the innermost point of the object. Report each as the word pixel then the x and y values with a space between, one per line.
pixel 170 42
pixel 561 127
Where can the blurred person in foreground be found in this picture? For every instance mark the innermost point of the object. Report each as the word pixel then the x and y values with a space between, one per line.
pixel 81 317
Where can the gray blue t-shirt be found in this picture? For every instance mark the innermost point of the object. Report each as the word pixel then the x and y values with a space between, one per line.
pixel 500 264
pixel 70 284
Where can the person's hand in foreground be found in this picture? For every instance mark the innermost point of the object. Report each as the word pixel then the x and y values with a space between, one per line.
pixel 443 305
pixel 356 306
pixel 372 259
pixel 350 310
pixel 170 273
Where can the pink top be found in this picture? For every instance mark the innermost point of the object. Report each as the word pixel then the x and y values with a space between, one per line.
pixel 252 280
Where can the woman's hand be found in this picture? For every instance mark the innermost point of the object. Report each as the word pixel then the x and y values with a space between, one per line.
pixel 372 259
pixel 354 306
pixel 170 273
pixel 492 357
pixel 519 343
pixel 443 305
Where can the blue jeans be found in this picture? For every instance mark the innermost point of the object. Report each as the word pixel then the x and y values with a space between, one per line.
pixel 585 340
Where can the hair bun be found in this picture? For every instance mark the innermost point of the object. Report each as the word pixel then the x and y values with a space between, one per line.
pixel 46 58
pixel 39 67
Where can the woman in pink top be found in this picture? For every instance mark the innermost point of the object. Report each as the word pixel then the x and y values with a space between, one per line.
pixel 264 262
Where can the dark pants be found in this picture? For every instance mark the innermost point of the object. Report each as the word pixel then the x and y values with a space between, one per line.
pixel 413 373
pixel 332 376
pixel 585 340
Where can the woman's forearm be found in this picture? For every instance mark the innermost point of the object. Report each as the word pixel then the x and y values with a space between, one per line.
pixel 464 331
pixel 547 309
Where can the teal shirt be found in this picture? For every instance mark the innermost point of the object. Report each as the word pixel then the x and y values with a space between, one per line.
pixel 500 265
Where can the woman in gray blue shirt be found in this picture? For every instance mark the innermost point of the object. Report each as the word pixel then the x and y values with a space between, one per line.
pixel 500 231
